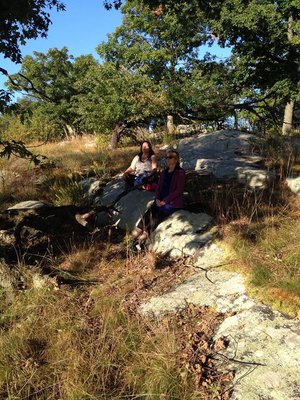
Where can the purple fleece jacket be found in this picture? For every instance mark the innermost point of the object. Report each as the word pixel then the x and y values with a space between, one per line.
pixel 175 196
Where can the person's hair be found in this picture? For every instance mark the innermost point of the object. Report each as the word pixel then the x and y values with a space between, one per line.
pixel 151 152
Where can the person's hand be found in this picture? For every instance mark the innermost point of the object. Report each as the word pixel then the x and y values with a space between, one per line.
pixel 160 203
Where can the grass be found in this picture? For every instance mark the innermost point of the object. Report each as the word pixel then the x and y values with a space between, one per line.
pixel 268 251
pixel 86 343
pixel 73 161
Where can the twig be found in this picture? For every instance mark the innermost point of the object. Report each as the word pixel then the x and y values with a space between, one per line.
pixel 240 361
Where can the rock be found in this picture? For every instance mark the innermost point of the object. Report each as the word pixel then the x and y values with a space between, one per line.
pixel 132 208
pixel 191 128
pixel 210 255
pixel 226 155
pixel 263 344
pixel 91 186
pixel 294 184
pixel 221 289
pixel 260 335
pixel 112 190
pixel 28 205
pixel 183 233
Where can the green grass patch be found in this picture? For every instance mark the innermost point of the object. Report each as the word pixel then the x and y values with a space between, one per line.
pixel 269 252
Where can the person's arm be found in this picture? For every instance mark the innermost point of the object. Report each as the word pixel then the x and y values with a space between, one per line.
pixel 154 163
pixel 179 187
pixel 159 186
pixel 132 166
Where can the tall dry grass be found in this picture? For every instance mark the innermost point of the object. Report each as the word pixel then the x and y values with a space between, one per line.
pixel 62 343
pixel 72 161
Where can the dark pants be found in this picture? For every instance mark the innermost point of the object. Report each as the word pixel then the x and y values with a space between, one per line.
pixel 133 180
pixel 154 216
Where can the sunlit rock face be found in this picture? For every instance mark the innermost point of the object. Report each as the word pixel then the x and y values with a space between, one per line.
pixel 183 233
pixel 294 184
pixel 226 155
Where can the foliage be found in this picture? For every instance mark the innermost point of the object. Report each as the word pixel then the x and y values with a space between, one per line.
pixel 263 35
pixel 22 20
pixel 269 252
pixel 18 149
pixel 67 190
pixel 166 47
pixel 48 79
pixel 109 94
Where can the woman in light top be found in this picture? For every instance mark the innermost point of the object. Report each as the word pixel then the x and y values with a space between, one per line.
pixel 142 166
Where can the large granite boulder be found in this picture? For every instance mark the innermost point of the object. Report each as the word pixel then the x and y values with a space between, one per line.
pixel 225 155
pixel 130 208
pixel 183 233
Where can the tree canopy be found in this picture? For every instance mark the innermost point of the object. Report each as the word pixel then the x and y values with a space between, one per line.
pixel 154 65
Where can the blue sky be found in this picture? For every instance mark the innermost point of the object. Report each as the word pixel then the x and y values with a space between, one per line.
pixel 80 28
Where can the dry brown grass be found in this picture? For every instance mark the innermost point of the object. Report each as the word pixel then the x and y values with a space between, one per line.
pixel 90 343
pixel 73 160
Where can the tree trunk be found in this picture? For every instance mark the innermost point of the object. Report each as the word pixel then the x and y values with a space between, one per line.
pixel 170 125
pixel 116 135
pixel 69 131
pixel 289 108
pixel 288 118
pixel 236 120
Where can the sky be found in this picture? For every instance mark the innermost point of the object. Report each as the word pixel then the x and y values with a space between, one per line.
pixel 80 28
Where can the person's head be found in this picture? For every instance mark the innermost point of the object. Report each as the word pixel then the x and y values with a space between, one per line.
pixel 172 157
pixel 146 148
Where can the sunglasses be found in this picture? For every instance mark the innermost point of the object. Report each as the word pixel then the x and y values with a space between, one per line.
pixel 170 157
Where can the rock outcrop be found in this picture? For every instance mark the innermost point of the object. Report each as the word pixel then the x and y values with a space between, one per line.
pixel 263 346
pixel 226 155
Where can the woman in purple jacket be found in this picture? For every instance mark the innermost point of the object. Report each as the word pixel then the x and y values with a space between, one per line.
pixel 168 197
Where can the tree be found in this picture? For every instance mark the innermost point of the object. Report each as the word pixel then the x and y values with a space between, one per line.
pixel 21 20
pixel 113 98
pixel 49 79
pixel 166 46
pixel 264 37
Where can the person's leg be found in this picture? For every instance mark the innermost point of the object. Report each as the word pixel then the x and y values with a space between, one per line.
pixel 136 232
pixel 152 218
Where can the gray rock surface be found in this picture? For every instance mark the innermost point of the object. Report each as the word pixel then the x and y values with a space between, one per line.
pixel 132 208
pixel 91 187
pixel 183 233
pixel 226 155
pixel 294 184
pixel 112 190
pixel 28 205
pixel 261 336
pixel 264 345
